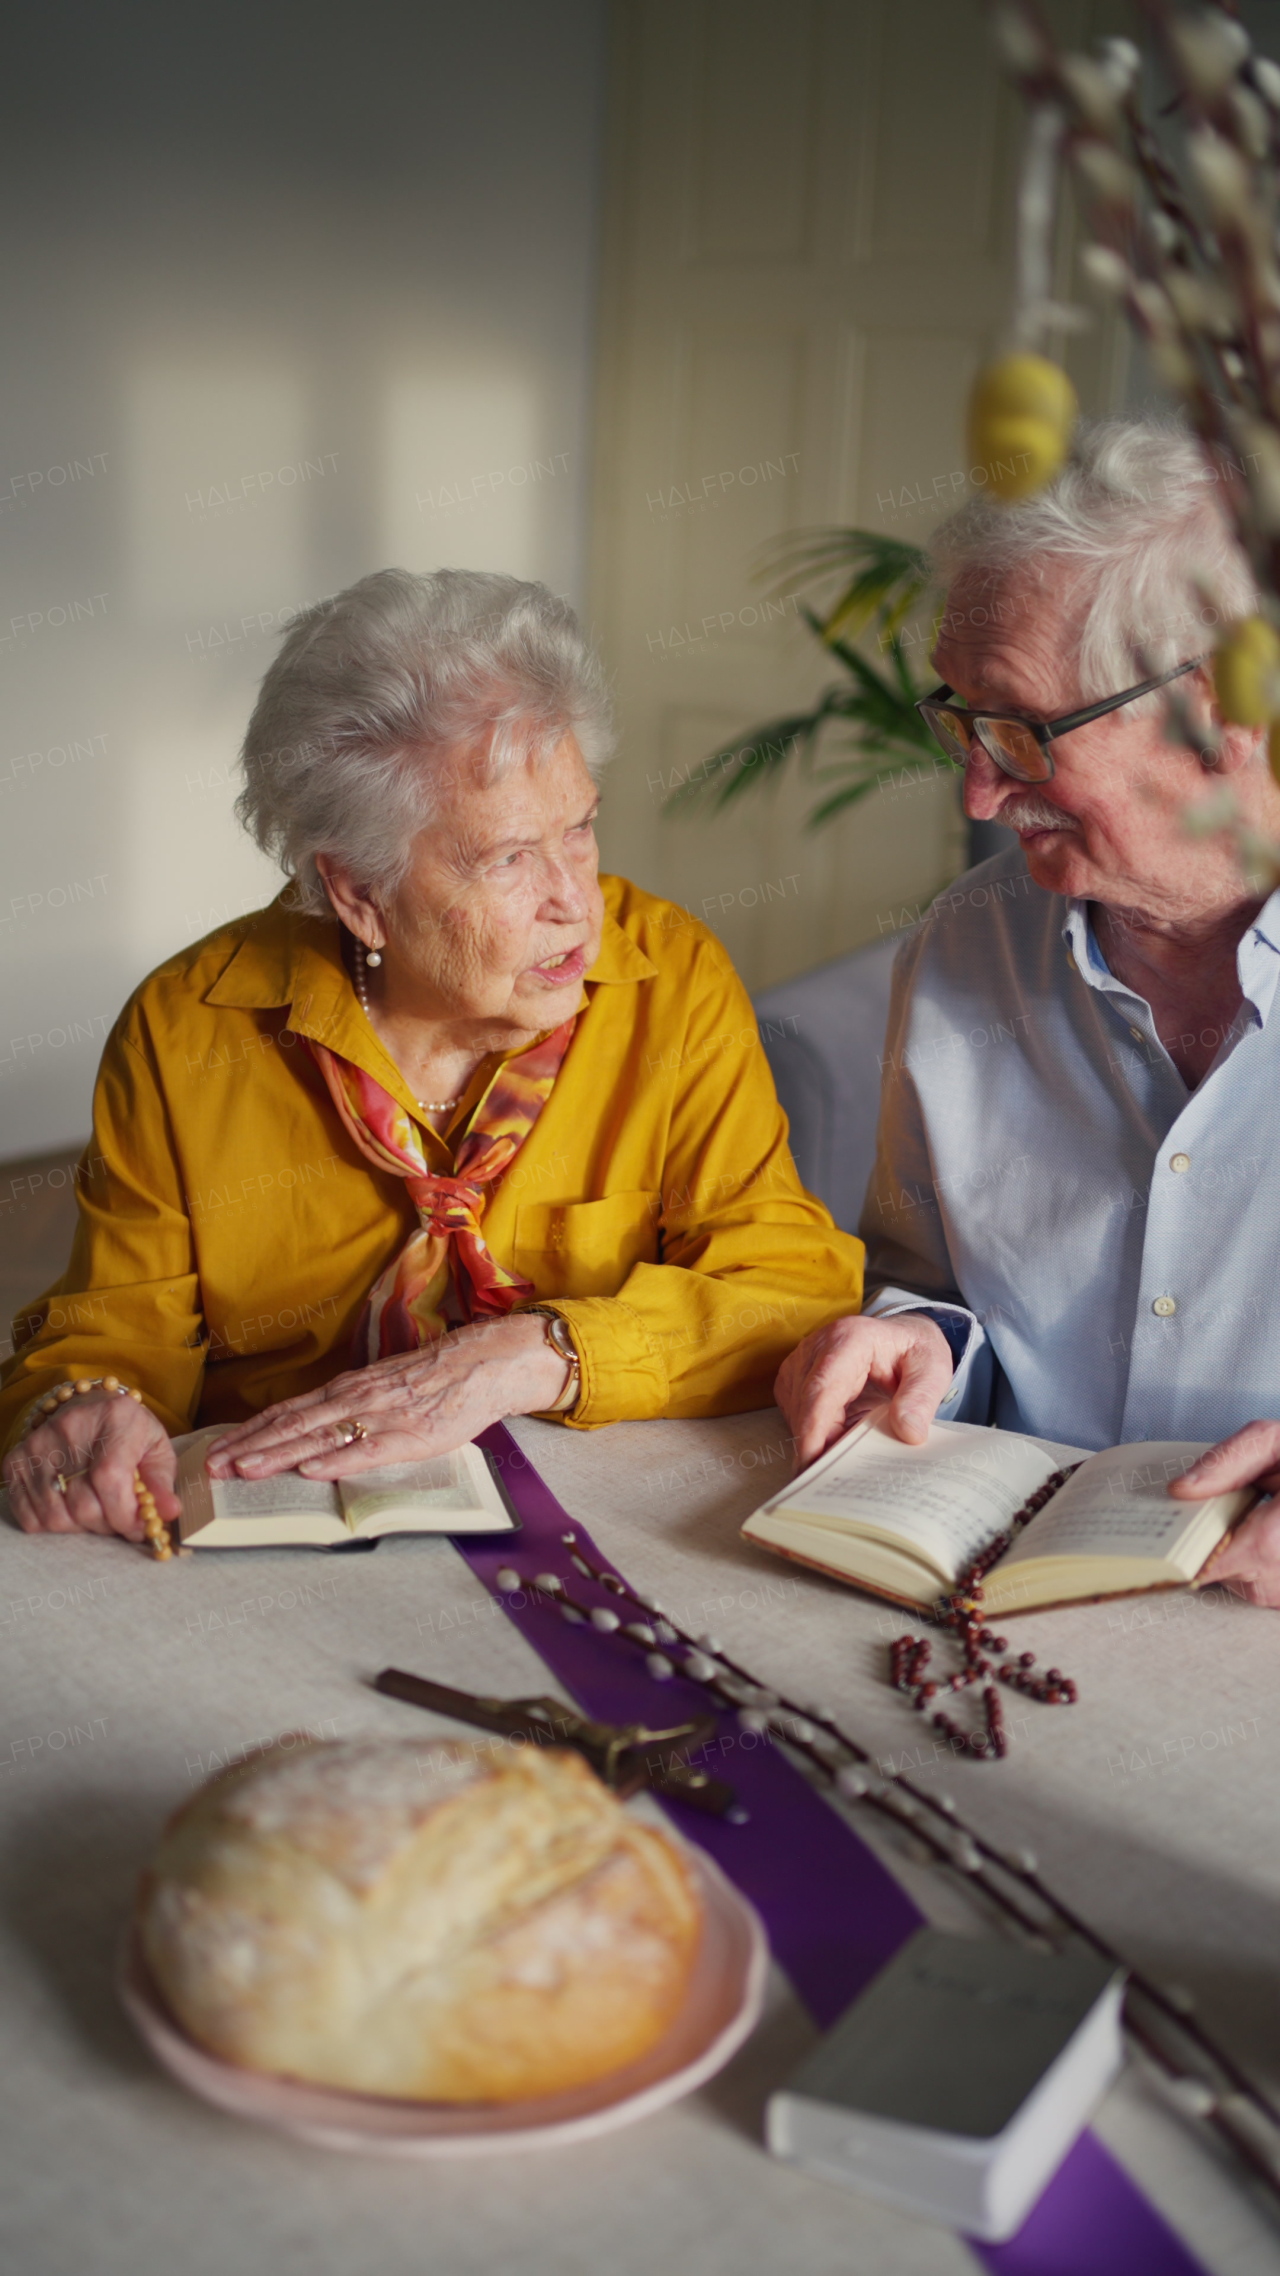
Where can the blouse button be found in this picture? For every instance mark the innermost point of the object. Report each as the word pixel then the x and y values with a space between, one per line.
pixel 1180 1162
pixel 1164 1307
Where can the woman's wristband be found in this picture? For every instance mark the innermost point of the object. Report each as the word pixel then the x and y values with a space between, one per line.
pixel 561 1341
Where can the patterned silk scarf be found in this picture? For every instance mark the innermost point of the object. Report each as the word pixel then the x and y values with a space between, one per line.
pixel 444 1273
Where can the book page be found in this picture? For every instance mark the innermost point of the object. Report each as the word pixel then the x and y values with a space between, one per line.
pixel 285 1495
pixel 949 1497
pixel 205 1499
pixel 1117 1506
pixel 424 1495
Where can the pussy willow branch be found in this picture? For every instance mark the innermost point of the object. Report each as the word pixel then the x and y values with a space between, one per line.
pixel 1241 2114
pixel 1037 215
pixel 1201 288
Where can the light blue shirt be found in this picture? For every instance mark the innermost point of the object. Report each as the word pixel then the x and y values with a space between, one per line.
pixel 1101 1243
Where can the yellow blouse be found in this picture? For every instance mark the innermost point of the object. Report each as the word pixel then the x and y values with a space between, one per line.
pixel 230 1231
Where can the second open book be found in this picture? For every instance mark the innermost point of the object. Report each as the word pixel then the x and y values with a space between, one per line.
pixel 907 1522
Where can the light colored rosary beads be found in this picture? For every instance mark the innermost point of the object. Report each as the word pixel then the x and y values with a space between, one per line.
pixel 153 1525
pixel 79 1389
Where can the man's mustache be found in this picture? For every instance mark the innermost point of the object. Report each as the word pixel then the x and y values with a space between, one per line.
pixel 1033 814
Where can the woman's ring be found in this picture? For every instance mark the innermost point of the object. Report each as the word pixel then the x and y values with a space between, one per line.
pixel 351 1430
pixel 59 1483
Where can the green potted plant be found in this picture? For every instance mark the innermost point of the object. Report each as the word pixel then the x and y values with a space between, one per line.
pixel 865 630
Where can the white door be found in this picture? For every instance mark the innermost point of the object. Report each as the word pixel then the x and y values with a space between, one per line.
pixel 806 255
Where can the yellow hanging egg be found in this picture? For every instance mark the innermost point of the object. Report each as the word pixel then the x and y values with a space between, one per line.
pixel 1024 387
pixel 1018 456
pixel 1021 415
pixel 1246 671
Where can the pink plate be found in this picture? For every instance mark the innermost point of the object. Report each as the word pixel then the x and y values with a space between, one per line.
pixel 720 2011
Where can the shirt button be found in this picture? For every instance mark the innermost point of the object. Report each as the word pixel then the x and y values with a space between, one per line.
pixel 1180 1162
pixel 1164 1307
pixel 1137 1034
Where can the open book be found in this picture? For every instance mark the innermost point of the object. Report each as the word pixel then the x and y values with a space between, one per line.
pixel 907 1521
pixel 453 1493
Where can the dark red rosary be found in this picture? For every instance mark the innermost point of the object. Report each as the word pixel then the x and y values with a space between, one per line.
pixel 961 1612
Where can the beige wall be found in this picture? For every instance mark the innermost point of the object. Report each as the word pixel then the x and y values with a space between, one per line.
pixel 269 330
pixel 807 253
pixel 282 305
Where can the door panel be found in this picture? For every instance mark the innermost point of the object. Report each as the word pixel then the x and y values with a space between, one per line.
pixel 807 253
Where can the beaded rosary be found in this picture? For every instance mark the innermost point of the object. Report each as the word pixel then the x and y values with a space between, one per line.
pixel 1200 2077
pixel 909 1656
pixel 155 1531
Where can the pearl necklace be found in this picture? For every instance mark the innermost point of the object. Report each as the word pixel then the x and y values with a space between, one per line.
pixel 365 957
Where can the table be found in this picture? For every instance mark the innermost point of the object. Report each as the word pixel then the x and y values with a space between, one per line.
pixel 1151 1806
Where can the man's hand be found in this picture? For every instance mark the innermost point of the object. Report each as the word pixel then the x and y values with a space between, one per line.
pixel 1249 1562
pixel 841 1371
pixel 415 1405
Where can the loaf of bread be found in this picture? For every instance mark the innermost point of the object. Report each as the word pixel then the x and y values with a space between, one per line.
pixel 458 1925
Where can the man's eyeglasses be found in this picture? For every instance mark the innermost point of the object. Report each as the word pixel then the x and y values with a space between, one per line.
pixel 1020 747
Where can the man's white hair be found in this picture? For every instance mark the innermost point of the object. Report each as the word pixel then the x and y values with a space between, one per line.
pixel 372 690
pixel 1139 513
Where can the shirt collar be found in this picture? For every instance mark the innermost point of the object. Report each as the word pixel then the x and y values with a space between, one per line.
pixel 1266 925
pixel 289 960
pixel 1257 958
pixel 619 958
pixel 1083 948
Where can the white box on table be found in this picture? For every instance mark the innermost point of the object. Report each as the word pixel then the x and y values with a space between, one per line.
pixel 956 2083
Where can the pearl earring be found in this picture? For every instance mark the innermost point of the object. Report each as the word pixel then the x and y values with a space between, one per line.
pixel 364 956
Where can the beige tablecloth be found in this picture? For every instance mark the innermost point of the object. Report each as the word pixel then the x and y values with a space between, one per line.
pixel 1152 1805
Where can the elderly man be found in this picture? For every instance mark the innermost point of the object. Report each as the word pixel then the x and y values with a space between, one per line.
pixel 1073 1226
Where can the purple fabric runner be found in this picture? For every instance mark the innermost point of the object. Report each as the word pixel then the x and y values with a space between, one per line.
pixel 833 1912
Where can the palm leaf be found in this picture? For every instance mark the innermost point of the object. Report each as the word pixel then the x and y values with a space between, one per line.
pixel 881 703
pixel 737 766
pixel 902 670
pixel 860 787
pixel 811 554
pixel 880 580
pixel 854 778
pixel 881 576
pixel 878 591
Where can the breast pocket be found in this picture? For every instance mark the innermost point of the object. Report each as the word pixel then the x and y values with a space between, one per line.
pixel 585 1248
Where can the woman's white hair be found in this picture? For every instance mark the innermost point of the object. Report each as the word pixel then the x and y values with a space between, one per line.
pixel 371 689
pixel 1137 510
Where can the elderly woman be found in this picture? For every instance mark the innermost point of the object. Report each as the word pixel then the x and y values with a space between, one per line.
pixel 1073 1227
pixel 455 1129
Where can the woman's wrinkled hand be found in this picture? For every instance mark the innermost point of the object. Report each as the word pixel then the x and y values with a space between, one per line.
pixel 412 1406
pixel 843 1370
pixel 1248 1562
pixel 95 1444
